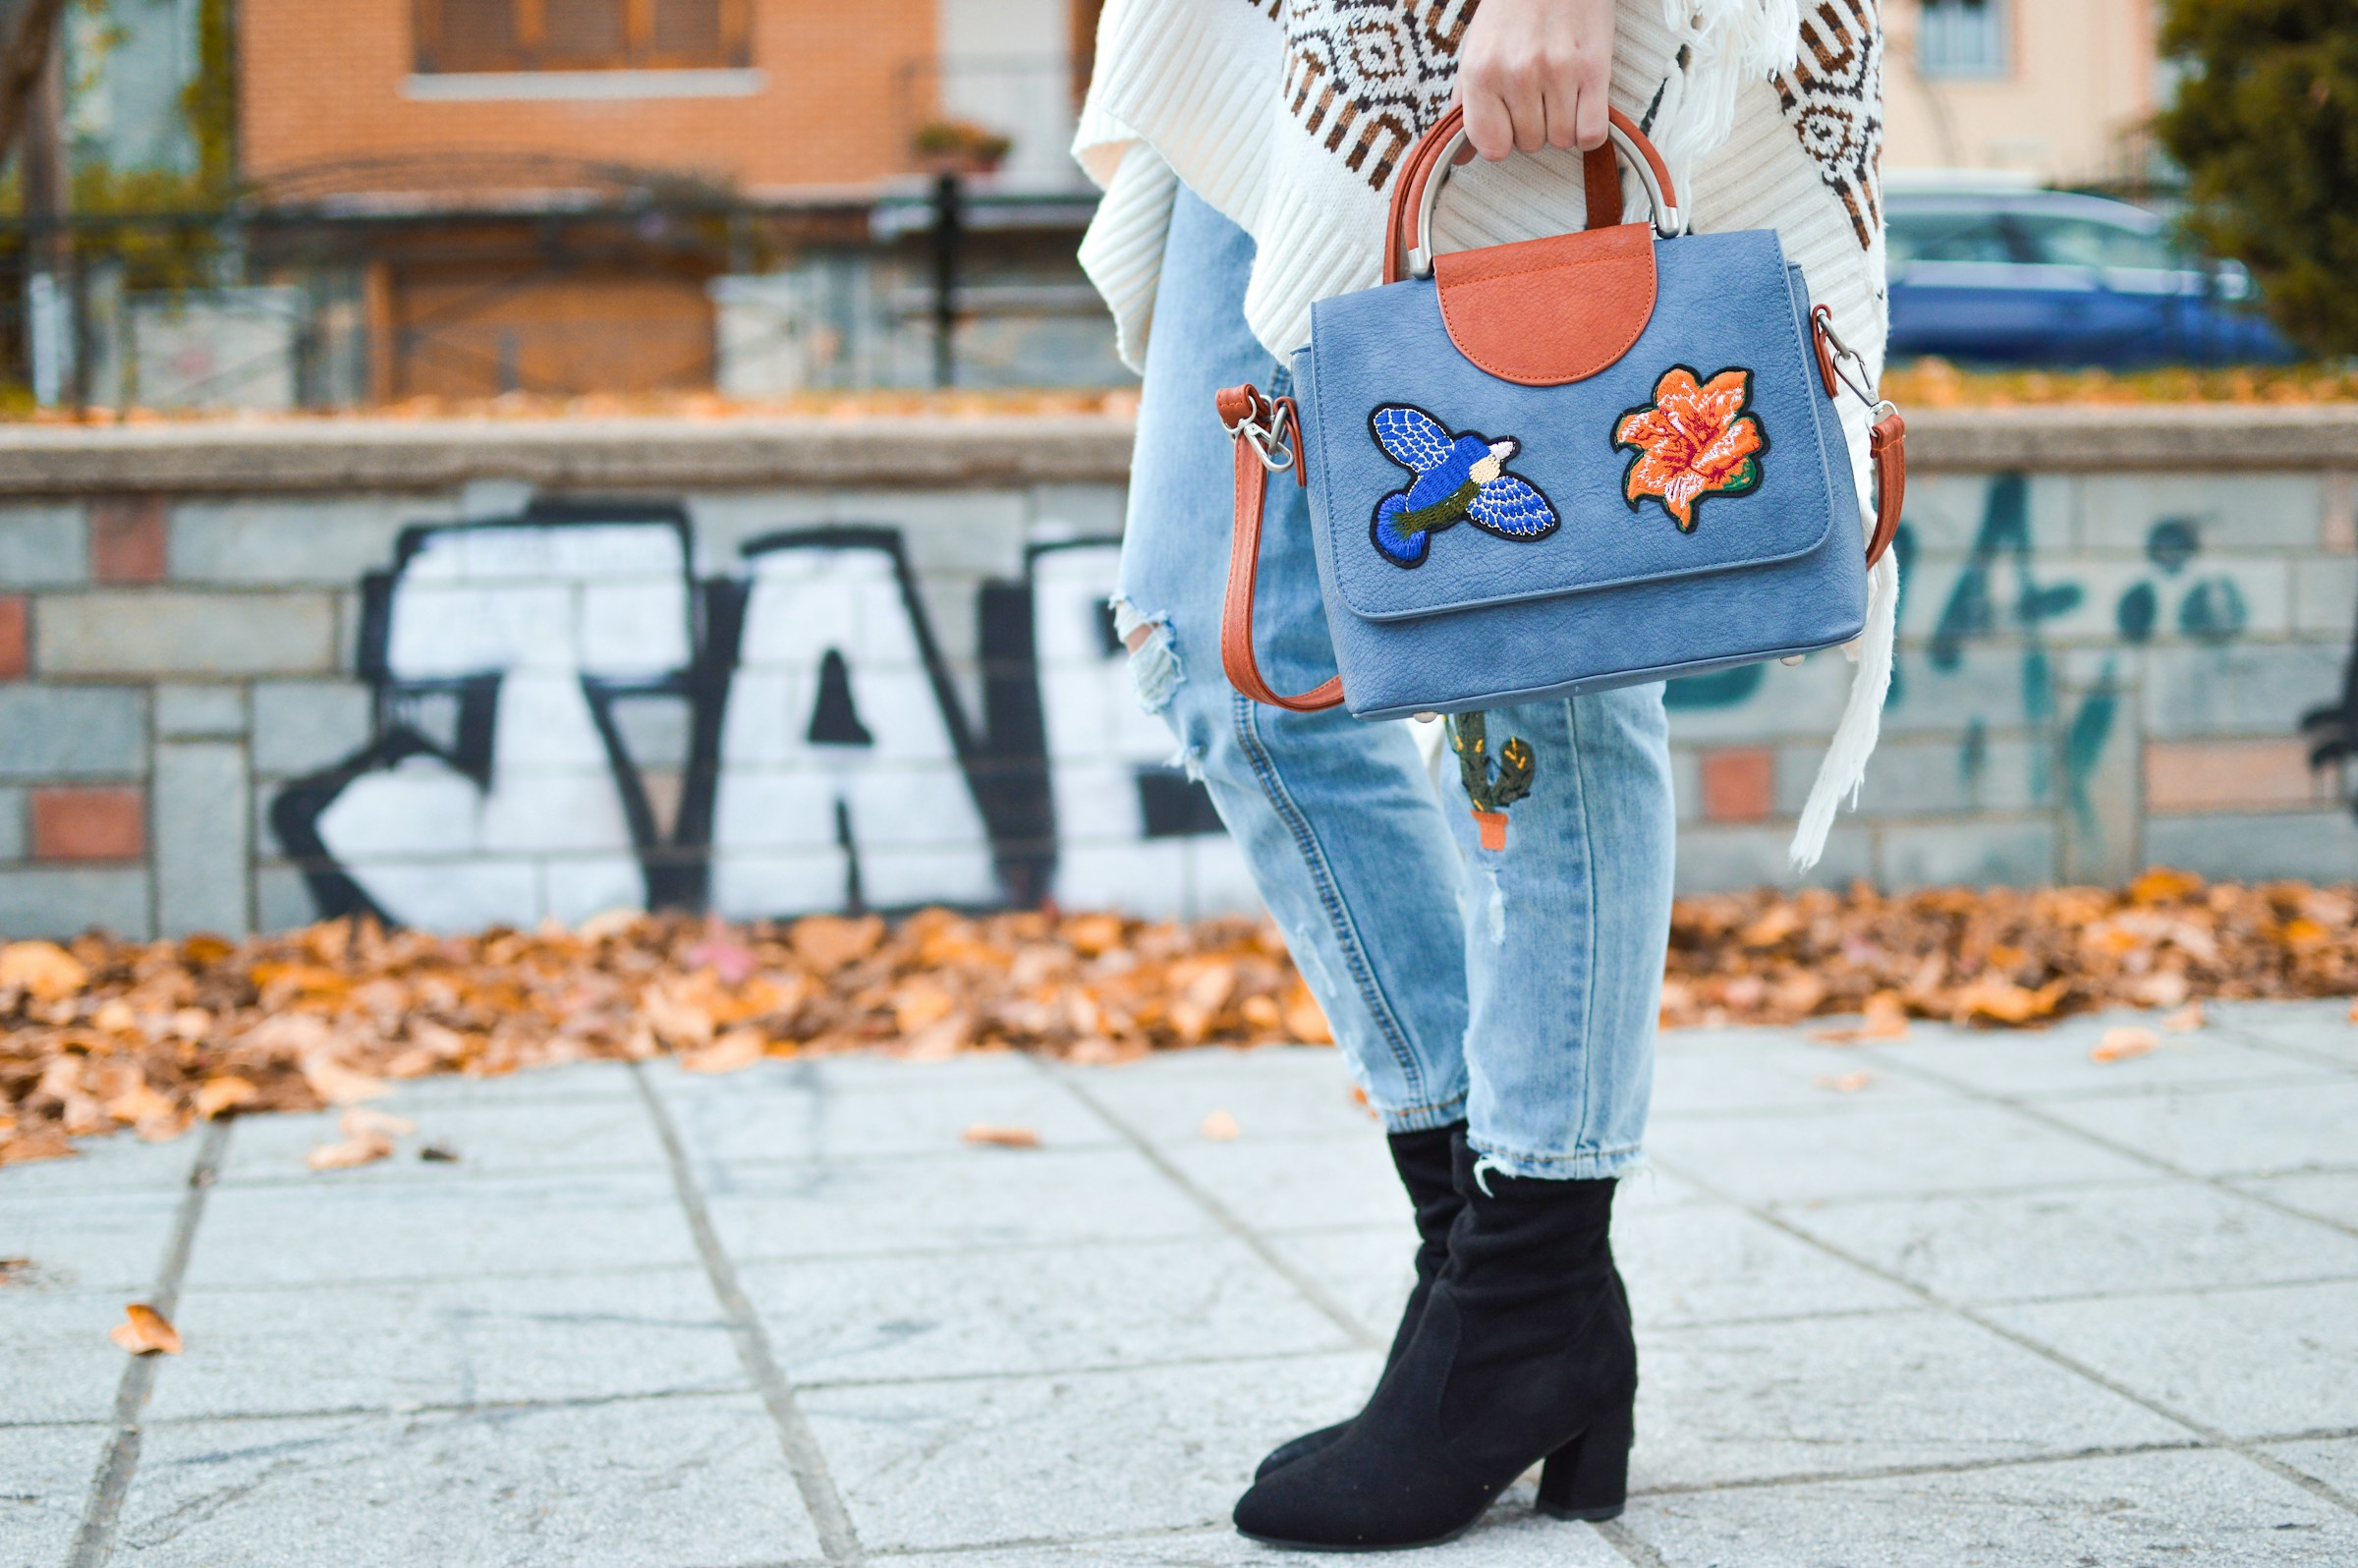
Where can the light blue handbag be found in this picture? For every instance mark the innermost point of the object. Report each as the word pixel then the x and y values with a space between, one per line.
pixel 1564 464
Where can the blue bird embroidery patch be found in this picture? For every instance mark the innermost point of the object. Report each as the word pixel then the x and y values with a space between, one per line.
pixel 1457 477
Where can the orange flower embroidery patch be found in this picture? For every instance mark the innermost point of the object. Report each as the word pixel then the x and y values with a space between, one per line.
pixel 1692 441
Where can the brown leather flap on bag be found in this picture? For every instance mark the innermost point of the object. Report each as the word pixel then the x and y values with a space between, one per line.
pixel 1545 312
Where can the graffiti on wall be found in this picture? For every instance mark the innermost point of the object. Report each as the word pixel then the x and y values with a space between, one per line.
pixel 568 719
pixel 2002 594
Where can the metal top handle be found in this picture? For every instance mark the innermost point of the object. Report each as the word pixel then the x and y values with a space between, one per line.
pixel 1669 222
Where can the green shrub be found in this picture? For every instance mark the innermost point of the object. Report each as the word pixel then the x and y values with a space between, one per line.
pixel 2266 126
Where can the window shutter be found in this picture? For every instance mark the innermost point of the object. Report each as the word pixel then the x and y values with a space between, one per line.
pixel 583 33
pixel 467 34
pixel 688 28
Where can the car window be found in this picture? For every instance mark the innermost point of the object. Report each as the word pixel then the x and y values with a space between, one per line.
pixel 2087 243
pixel 1957 236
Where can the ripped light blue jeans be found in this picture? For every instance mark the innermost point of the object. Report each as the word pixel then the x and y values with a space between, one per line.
pixel 1516 987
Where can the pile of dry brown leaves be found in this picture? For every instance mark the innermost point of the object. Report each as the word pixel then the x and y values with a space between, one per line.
pixel 101 1033
pixel 153 1035
pixel 2002 956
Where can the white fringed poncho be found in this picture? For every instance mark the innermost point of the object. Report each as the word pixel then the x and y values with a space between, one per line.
pixel 1292 115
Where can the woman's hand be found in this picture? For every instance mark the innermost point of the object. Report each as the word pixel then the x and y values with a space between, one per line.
pixel 1534 73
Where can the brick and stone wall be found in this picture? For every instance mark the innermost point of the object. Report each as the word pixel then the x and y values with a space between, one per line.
pixel 472 672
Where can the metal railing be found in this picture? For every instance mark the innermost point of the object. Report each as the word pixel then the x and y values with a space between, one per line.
pixel 569 291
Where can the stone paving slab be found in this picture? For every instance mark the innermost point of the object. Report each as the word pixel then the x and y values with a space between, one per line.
pixel 2255 1360
pixel 594 1135
pixel 789 1122
pixel 634 1481
pixel 1751 1402
pixel 980 1460
pixel 2057 1064
pixel 89 1240
pixel 42 1486
pixel 1878 1152
pixel 456 1228
pixel 397 1344
pixel 2152 1236
pixel 973 1196
pixel 2259 1130
pixel 1031 1309
pixel 56 1363
pixel 1990 1303
pixel 2331 1195
pixel 2214 1509
pixel 2334 1461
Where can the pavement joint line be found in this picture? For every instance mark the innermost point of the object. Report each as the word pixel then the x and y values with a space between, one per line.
pixel 2032 1112
pixel 406 1409
pixel 2075 1096
pixel 1062 1244
pixel 2156 1292
pixel 1632 1546
pixel 1080 1369
pixel 1210 1526
pixel 1953 1467
pixel 2209 1433
pixel 511 1276
pixel 102 1514
pixel 1914 1195
pixel 805 1458
pixel 1310 1289
pixel 899 1159
pixel 446 1180
pixel 2276 1047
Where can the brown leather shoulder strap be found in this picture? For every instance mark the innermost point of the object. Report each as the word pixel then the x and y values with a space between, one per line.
pixel 1238 404
pixel 1887 438
pixel 1887 444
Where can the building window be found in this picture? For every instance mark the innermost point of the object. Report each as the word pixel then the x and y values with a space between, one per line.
pixel 579 35
pixel 1961 39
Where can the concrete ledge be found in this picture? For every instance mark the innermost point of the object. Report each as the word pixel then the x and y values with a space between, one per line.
pixel 937 451
pixel 671 454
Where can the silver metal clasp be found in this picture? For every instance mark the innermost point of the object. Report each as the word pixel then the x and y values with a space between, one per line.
pixel 1260 428
pixel 1846 357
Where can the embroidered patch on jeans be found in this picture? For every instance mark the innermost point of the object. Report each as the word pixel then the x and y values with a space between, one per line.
pixel 1458 478
pixel 1694 440
pixel 1491 789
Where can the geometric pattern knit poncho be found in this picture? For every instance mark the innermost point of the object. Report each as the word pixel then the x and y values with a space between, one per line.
pixel 1292 118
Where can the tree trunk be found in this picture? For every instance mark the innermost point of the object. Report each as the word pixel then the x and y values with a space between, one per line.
pixel 27 38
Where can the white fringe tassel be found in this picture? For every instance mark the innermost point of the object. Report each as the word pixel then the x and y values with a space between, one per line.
pixel 1729 43
pixel 1846 767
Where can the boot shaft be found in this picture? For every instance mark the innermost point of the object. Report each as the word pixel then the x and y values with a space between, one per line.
pixel 1427 1163
pixel 1528 1234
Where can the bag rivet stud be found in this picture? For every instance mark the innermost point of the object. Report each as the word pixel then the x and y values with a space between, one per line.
pixel 1792 658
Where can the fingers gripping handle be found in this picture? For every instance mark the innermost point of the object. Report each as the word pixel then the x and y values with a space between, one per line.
pixel 1418 189
pixel 1268 437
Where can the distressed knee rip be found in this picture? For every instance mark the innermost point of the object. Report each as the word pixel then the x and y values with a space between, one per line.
pixel 1155 672
pixel 1487 905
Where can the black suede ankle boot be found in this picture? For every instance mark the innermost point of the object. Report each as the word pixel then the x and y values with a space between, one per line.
pixel 1425 1163
pixel 1524 1353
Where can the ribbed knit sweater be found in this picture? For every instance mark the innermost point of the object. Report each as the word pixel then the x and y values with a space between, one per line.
pixel 1292 118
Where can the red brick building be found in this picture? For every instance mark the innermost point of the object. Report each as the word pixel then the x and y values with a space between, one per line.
pixel 550 186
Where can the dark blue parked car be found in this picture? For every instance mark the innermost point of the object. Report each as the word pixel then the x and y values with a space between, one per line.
pixel 2025 276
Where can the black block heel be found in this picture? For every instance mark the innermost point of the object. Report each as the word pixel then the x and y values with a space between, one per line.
pixel 1589 1477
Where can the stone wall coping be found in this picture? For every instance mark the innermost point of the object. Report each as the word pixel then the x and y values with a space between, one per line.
pixel 934 451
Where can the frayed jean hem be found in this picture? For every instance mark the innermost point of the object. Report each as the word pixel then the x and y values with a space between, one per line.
pixel 1584 1165
pixel 1422 1118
